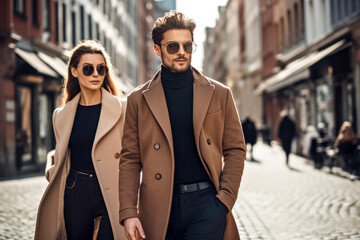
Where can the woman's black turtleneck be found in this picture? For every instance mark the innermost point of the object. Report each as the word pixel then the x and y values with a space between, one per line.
pixel 178 88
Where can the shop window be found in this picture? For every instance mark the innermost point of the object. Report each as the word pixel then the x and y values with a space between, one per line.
pixel 44 127
pixel 24 133
pixel 324 103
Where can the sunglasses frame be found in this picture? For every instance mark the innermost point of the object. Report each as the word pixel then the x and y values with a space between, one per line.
pixel 193 47
pixel 93 69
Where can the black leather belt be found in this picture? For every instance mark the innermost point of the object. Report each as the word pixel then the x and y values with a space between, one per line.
pixel 193 187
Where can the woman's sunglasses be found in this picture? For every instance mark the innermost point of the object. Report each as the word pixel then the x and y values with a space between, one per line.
pixel 88 69
pixel 173 47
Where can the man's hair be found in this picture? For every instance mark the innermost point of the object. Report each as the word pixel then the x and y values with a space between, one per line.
pixel 171 20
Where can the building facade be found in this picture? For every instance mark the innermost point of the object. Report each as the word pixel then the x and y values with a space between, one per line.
pixel 315 76
pixel 35 39
pixel 32 67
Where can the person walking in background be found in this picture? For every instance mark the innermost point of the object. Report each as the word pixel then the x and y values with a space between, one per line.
pixel 81 200
pixel 250 134
pixel 286 133
pixel 183 134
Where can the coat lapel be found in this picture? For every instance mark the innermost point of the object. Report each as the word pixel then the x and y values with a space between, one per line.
pixel 109 115
pixel 203 91
pixel 155 98
pixel 64 123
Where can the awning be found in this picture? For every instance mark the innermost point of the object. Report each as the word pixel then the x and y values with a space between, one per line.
pixel 54 62
pixel 298 69
pixel 33 60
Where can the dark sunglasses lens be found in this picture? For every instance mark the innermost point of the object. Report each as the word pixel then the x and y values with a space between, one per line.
pixel 102 70
pixel 188 47
pixel 88 70
pixel 173 48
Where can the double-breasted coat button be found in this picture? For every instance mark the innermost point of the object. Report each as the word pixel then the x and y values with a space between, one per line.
pixel 158 176
pixel 157 146
pixel 117 155
pixel 208 141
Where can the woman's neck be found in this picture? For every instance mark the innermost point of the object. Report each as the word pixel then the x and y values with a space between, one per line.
pixel 90 97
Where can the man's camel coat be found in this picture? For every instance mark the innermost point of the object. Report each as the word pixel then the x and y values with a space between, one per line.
pixel 105 155
pixel 148 147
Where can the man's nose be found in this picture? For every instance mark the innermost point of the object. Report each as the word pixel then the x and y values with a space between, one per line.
pixel 181 49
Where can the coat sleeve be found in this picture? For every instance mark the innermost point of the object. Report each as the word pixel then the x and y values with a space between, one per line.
pixel 51 161
pixel 234 152
pixel 130 164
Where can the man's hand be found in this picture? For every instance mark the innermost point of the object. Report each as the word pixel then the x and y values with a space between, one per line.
pixel 133 229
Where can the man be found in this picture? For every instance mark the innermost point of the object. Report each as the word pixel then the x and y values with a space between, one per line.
pixel 250 134
pixel 286 133
pixel 182 132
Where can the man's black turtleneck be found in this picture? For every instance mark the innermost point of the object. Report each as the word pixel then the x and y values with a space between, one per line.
pixel 178 88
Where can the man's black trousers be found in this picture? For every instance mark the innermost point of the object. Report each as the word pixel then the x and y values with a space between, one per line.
pixel 198 215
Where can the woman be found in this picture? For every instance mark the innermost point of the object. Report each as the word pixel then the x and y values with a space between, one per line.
pixel 346 140
pixel 81 200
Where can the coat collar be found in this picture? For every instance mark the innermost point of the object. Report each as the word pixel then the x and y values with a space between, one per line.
pixel 155 98
pixel 111 110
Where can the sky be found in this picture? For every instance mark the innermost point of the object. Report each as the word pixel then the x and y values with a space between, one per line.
pixel 205 13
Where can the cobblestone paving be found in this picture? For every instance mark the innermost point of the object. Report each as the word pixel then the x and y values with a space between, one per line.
pixel 19 200
pixel 297 202
pixel 274 202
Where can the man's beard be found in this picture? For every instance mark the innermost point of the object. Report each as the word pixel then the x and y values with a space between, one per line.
pixel 172 67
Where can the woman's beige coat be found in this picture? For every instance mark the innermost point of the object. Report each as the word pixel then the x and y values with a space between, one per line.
pixel 105 154
pixel 148 148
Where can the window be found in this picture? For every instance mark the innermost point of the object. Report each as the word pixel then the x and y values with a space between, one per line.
pixel 82 24
pixel 57 21
pixel 45 14
pixel 35 12
pixel 64 21
pixel 97 31
pixel 282 33
pixel 297 22
pixel 19 6
pixel 73 26
pixel 290 28
pixel 90 27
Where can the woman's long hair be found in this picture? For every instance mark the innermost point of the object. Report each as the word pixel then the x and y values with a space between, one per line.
pixel 71 85
pixel 346 133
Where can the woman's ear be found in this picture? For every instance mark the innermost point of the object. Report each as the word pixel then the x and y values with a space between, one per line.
pixel 74 72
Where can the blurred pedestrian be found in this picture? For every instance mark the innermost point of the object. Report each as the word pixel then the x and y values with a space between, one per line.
pixel 345 145
pixel 81 200
pixel 250 134
pixel 322 145
pixel 346 139
pixel 183 134
pixel 309 143
pixel 286 133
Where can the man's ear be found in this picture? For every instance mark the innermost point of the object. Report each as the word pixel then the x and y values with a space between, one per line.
pixel 157 50
pixel 74 72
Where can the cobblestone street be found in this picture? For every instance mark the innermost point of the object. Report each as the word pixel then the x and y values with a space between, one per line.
pixel 274 202
pixel 19 200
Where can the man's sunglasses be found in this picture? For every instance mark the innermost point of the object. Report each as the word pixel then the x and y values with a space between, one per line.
pixel 173 47
pixel 88 69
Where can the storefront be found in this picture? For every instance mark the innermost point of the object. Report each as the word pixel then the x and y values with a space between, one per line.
pixel 317 87
pixel 37 84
